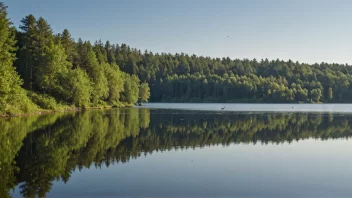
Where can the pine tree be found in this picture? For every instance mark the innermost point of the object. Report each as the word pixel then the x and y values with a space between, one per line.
pixel 25 62
pixel 37 37
pixel 69 45
pixel 12 96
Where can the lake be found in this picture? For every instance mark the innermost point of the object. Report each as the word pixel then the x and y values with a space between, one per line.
pixel 180 150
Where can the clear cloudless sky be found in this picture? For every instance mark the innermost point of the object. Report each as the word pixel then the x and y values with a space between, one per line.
pixel 301 30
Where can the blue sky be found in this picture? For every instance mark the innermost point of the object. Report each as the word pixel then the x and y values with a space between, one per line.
pixel 306 31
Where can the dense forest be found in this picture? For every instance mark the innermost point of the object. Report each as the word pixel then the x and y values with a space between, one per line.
pixel 40 68
pixel 38 150
pixel 43 70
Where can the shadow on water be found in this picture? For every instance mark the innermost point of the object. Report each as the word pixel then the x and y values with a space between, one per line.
pixel 36 151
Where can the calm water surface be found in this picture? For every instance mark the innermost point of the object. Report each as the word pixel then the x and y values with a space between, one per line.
pixel 187 150
pixel 254 107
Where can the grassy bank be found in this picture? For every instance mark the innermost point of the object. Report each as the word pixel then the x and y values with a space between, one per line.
pixel 36 104
pixel 59 110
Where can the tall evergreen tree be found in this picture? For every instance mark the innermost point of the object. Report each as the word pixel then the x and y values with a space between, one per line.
pixel 69 45
pixel 12 97
pixel 25 62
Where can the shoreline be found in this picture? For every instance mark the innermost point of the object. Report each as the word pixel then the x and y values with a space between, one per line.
pixel 40 112
pixel 76 109
pixel 46 111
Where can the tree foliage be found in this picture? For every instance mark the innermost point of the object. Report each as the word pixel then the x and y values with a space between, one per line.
pixel 58 71
pixel 13 98
pixel 190 78
pixel 111 74
pixel 144 92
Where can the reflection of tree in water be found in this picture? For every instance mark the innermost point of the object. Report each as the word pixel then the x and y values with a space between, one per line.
pixel 12 133
pixel 47 148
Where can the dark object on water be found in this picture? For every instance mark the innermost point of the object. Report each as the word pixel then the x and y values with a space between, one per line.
pixel 138 103
pixel 223 108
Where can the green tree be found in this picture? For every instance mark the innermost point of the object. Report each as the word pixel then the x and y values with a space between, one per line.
pixel 115 83
pixel 54 65
pixel 12 97
pixel 330 93
pixel 90 64
pixel 25 62
pixel 144 92
pixel 77 88
pixel 131 89
pixel 316 94
pixel 69 45
pixel 37 36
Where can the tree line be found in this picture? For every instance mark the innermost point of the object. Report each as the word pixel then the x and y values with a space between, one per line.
pixel 45 148
pixel 190 78
pixel 40 69
pixel 47 70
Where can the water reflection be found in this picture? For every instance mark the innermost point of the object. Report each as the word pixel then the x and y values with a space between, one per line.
pixel 38 150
